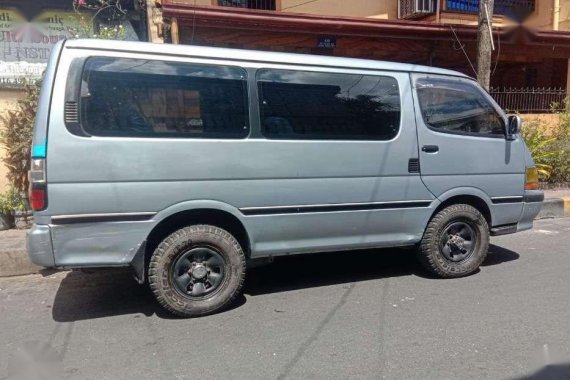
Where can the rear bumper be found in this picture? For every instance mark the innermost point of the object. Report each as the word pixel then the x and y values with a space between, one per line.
pixel 39 246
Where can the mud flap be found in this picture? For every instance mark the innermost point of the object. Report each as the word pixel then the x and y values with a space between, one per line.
pixel 138 264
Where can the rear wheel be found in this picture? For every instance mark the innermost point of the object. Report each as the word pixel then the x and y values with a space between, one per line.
pixel 455 242
pixel 198 270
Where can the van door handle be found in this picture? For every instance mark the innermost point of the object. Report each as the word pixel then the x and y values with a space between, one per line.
pixel 430 148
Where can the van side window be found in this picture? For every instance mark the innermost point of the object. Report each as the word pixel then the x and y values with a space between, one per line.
pixel 149 98
pixel 304 105
pixel 454 106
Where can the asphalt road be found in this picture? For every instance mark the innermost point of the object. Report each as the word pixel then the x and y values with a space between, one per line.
pixel 358 315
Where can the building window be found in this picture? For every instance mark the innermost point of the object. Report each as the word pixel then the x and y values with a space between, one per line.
pixel 463 5
pixel 302 105
pixel 415 8
pixel 146 98
pixel 266 5
pixel 531 76
pixel 458 107
pixel 515 9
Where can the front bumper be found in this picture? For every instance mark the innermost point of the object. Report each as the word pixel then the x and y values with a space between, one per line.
pixel 532 203
pixel 39 247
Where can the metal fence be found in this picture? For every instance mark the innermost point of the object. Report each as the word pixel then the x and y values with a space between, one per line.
pixel 529 100
pixel 266 5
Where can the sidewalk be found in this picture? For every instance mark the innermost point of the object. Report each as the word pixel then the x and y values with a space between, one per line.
pixel 557 193
pixel 14 259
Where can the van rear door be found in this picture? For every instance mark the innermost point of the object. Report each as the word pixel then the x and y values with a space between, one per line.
pixel 462 145
pixel 42 114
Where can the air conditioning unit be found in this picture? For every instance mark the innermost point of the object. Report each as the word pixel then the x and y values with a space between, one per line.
pixel 424 6
pixel 415 8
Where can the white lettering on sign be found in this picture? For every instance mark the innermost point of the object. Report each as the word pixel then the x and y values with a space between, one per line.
pixel 25 45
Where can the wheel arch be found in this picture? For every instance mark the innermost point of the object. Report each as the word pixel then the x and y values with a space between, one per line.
pixel 184 214
pixel 467 195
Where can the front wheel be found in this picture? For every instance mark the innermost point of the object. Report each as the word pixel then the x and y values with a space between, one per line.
pixel 455 242
pixel 198 270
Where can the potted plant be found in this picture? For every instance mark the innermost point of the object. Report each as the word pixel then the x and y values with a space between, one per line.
pixel 10 204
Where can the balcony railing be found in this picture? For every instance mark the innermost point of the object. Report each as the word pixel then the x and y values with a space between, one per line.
pixel 266 5
pixel 529 100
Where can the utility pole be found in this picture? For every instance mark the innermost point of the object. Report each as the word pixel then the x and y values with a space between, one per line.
pixel 556 15
pixel 485 42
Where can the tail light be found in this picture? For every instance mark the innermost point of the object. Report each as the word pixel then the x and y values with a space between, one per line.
pixel 531 178
pixel 38 185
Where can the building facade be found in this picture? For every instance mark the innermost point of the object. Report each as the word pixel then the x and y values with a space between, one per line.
pixel 532 38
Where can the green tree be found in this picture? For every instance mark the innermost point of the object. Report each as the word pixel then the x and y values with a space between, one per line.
pixel 16 128
pixel 101 19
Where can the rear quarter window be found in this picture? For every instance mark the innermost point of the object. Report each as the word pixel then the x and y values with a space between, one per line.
pixel 150 98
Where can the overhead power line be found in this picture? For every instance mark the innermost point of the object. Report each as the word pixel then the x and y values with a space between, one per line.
pixel 298 5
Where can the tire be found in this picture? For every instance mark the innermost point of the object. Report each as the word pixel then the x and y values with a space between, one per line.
pixel 206 258
pixel 455 242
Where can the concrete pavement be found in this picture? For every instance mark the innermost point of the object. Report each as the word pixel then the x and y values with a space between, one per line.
pixel 357 315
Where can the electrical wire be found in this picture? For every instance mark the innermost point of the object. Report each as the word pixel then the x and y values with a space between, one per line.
pixel 498 53
pixel 193 24
pixel 462 47
pixel 298 5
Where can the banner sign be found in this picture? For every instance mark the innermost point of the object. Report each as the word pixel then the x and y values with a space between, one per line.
pixel 25 44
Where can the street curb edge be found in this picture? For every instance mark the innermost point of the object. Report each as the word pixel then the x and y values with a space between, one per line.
pixel 555 208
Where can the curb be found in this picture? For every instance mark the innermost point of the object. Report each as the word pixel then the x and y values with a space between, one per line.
pixel 16 263
pixel 555 208
pixel 14 259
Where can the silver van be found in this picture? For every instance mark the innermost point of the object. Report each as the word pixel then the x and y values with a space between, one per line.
pixel 187 162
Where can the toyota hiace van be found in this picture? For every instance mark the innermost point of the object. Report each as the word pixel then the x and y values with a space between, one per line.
pixel 186 162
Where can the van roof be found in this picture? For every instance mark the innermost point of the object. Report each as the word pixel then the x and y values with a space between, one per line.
pixel 253 56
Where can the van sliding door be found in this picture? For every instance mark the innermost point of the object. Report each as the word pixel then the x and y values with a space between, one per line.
pixel 341 144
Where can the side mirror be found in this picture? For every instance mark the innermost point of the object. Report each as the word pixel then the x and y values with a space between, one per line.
pixel 513 127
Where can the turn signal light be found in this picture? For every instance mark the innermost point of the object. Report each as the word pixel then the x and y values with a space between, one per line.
pixel 531 180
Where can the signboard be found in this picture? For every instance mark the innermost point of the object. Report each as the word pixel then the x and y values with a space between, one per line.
pixel 25 44
pixel 327 42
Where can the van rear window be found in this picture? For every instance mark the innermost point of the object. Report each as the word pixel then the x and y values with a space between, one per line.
pixel 305 105
pixel 149 98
